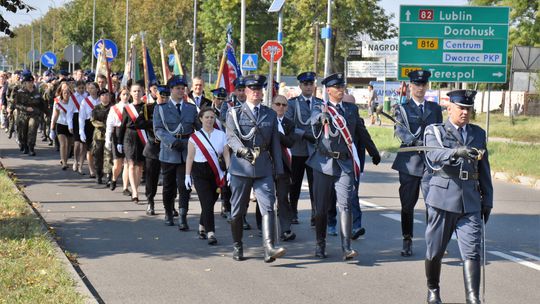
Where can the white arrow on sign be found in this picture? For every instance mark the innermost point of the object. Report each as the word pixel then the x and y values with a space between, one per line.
pixel 408 15
pixel 498 74
pixel 406 42
pixel 48 59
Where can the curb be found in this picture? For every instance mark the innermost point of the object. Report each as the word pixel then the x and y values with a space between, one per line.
pixel 76 273
pixel 502 176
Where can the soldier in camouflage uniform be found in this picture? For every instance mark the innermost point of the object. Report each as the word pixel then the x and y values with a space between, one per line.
pixel 99 118
pixel 13 86
pixel 30 107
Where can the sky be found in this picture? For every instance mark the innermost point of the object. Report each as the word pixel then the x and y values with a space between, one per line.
pixel 42 6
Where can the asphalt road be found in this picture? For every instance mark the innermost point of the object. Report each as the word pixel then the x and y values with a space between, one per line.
pixel 129 257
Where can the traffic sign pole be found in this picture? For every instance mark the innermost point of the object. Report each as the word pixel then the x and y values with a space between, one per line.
pixel 270 82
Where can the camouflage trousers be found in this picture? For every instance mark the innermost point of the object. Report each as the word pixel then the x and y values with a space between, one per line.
pixel 102 157
pixel 12 118
pixel 27 127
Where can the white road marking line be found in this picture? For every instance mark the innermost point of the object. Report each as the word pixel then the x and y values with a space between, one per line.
pixel 514 259
pixel 397 217
pixel 527 255
pixel 371 205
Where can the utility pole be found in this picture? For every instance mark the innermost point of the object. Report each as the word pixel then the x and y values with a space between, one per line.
pixel 242 32
pixel 328 37
pixel 194 39
pixel 127 30
pixel 93 34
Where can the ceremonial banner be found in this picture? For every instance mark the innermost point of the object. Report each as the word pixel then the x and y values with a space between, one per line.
pixel 229 69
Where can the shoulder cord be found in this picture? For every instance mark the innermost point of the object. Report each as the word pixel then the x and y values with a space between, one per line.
pixel 251 133
pixel 437 134
pixel 406 122
pixel 179 128
pixel 299 115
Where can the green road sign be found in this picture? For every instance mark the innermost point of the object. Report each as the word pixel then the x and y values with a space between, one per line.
pixel 455 43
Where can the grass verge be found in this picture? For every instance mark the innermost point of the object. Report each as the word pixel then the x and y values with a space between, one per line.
pixel 30 272
pixel 514 159
pixel 523 128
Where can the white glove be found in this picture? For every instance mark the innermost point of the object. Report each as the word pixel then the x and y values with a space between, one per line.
pixel 108 145
pixel 187 182
pixel 52 134
pixel 228 179
pixel 83 137
pixel 120 148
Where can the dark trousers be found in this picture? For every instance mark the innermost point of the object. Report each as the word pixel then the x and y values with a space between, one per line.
pixel 241 189
pixel 285 211
pixel 226 197
pixel 441 225
pixel 409 190
pixel 355 209
pixel 152 168
pixel 173 182
pixel 298 166
pixel 329 190
pixel 205 183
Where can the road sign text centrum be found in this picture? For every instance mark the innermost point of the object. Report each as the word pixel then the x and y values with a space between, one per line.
pixel 455 43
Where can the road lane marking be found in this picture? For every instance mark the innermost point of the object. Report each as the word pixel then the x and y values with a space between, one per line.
pixel 397 217
pixel 367 204
pixel 515 259
pixel 527 255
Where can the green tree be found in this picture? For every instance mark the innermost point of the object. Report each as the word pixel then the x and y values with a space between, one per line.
pixel 12 6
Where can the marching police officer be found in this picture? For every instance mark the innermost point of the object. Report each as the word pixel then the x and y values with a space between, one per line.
pixel 151 149
pixel 252 133
pixel 299 112
pixel 30 107
pixel 460 193
pixel 174 122
pixel 334 163
pixel 413 117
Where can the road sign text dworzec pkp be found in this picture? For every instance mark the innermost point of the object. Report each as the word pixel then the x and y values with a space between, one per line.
pixel 455 43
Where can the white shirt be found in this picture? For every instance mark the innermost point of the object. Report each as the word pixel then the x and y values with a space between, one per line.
pixel 280 125
pixel 218 140
pixel 113 120
pixel 85 112
pixel 252 108
pixel 65 117
pixel 464 132
pixel 80 98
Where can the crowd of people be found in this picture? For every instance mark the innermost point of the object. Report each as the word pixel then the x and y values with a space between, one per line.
pixel 233 146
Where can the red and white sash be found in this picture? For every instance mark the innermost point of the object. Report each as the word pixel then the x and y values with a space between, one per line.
pixel 118 112
pixel 59 104
pixel 90 104
pixel 75 101
pixel 211 158
pixel 133 114
pixel 340 121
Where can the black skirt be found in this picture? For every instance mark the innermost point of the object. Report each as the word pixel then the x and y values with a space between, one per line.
pixel 76 136
pixel 62 129
pixel 133 147
pixel 115 153
pixel 89 133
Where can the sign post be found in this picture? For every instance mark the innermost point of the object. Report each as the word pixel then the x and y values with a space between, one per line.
pixel 48 59
pixel 454 43
pixel 271 51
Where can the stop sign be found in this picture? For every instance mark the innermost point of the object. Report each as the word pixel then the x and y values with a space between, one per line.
pixel 272 47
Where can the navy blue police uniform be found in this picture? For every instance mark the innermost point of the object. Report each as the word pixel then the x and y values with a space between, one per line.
pixel 174 122
pixel 333 169
pixel 252 134
pixel 413 117
pixel 460 195
pixel 299 112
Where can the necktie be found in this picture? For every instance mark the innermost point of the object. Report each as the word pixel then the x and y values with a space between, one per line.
pixel 460 131
pixel 179 108
pixel 421 106
pixel 340 110
pixel 256 112
pixel 308 101
pixel 198 101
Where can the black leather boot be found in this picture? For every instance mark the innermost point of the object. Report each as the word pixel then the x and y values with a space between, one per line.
pixel 237 231
pixel 183 225
pixel 407 246
pixel 345 218
pixel 99 178
pixel 433 273
pixel 271 253
pixel 150 207
pixel 31 151
pixel 471 278
pixel 320 233
pixel 25 149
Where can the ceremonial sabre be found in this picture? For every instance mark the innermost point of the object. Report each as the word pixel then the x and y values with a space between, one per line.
pixel 483 261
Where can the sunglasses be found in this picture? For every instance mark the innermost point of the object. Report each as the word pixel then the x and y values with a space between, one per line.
pixel 280 104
